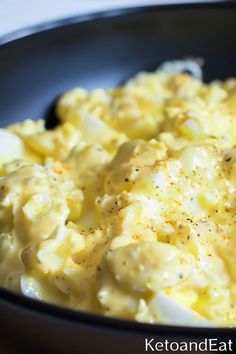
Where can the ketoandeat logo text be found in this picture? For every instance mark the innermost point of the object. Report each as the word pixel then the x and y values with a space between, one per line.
pixel 208 345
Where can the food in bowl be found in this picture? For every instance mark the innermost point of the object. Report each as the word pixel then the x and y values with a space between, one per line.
pixel 127 207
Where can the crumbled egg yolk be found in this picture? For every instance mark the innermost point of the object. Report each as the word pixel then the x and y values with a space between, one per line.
pixel 127 208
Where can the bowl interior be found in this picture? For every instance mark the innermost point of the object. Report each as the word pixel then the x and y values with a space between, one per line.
pixel 107 50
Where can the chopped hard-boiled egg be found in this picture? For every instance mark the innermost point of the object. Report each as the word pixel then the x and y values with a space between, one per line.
pixel 168 311
pixel 126 208
pixel 11 146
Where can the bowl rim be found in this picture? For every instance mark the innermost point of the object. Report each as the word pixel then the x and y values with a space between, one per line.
pixel 13 299
pixel 110 13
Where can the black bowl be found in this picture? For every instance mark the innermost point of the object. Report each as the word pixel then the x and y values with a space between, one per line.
pixel 101 50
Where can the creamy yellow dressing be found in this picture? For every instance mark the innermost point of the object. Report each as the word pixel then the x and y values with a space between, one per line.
pixel 128 207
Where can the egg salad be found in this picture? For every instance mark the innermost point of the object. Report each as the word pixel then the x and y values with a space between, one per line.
pixel 127 208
